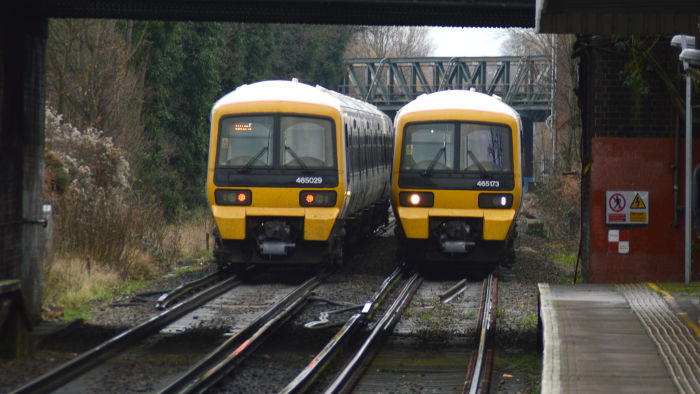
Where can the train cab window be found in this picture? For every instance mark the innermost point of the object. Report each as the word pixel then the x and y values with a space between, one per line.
pixel 428 147
pixel 245 141
pixel 485 148
pixel 306 142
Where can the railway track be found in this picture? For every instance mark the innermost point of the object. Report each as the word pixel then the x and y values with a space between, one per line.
pixel 221 362
pixel 92 358
pixel 351 372
pixel 481 363
pixel 340 366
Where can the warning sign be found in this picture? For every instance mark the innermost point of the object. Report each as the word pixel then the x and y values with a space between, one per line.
pixel 626 207
pixel 638 203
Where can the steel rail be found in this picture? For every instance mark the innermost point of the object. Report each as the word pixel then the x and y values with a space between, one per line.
pixel 169 297
pixel 348 377
pixel 477 376
pixel 308 375
pixel 82 363
pixel 222 360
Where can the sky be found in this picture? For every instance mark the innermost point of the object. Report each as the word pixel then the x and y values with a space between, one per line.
pixel 466 41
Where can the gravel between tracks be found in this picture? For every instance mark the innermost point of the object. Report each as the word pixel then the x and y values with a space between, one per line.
pixel 356 281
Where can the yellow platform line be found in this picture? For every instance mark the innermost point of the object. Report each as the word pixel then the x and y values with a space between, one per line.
pixel 672 302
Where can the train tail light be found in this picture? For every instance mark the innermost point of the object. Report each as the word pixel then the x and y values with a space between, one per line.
pixel 233 197
pixel 495 200
pixel 416 199
pixel 317 198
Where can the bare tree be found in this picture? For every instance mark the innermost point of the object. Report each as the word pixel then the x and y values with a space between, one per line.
pixel 90 81
pixel 525 42
pixel 389 41
pixel 566 116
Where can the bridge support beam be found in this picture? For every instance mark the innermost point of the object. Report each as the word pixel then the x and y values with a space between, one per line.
pixel 22 93
pixel 527 151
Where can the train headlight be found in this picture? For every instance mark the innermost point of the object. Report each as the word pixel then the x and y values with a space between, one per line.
pixel 495 200
pixel 233 197
pixel 317 198
pixel 416 199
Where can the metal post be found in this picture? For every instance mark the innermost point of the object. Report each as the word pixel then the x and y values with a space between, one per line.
pixel 688 172
pixel 686 43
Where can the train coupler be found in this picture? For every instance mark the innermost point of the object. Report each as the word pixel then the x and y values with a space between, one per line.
pixel 455 237
pixel 275 238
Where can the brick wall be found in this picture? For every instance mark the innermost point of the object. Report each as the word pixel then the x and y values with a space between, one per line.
pixel 629 143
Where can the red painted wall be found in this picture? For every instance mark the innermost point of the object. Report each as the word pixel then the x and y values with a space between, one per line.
pixel 656 250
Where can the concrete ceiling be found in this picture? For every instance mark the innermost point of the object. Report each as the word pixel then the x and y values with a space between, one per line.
pixel 624 17
pixel 640 17
pixel 496 13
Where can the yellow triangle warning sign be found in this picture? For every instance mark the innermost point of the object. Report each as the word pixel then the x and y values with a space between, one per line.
pixel 638 203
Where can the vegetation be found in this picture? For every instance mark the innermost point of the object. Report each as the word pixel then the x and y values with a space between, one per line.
pixel 389 41
pixel 150 85
pixel 127 139
pixel 565 126
pixel 526 365
pixel 556 195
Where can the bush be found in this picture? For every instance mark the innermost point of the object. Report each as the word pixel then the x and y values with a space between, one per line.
pixel 97 215
pixel 558 203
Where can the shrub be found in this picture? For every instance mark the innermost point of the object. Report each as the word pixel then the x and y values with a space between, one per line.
pixel 97 214
pixel 557 200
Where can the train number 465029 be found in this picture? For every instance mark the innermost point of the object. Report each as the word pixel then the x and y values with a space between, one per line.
pixel 312 180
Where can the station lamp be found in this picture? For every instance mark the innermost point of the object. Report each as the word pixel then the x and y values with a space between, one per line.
pixel 690 56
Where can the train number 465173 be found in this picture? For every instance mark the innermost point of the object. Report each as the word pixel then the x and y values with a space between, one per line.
pixel 488 184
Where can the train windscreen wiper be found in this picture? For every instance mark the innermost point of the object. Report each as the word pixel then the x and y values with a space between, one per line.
pixel 477 162
pixel 429 170
pixel 252 160
pixel 298 160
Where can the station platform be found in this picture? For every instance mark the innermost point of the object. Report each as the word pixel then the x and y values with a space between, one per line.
pixel 605 338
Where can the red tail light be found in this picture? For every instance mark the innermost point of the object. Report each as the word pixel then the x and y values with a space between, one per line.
pixel 233 197
pixel 317 198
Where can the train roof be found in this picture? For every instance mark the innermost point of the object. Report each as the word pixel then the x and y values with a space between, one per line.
pixel 457 100
pixel 294 91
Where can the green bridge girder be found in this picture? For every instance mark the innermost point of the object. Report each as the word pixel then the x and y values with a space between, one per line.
pixel 525 83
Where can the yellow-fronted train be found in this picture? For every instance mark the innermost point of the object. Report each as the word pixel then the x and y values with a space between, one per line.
pixel 456 179
pixel 294 172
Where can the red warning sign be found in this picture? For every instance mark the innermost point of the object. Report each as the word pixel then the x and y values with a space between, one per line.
pixel 617 202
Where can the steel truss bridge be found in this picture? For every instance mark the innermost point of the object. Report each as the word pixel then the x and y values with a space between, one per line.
pixel 524 83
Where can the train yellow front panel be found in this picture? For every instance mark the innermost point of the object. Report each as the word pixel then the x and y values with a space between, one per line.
pixel 280 148
pixel 275 202
pixel 497 222
pixel 455 189
pixel 414 222
pixel 230 221
pixel 318 223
